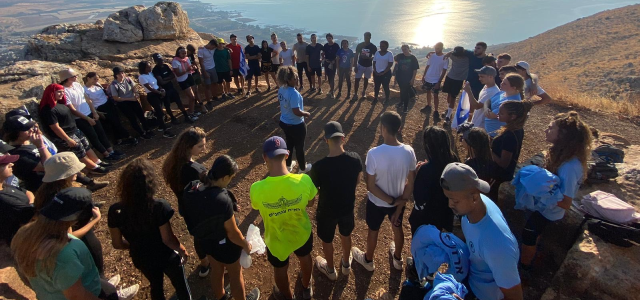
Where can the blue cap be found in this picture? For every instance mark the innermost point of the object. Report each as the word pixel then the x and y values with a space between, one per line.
pixel 274 146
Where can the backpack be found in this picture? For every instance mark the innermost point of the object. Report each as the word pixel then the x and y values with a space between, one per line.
pixel 601 171
pixel 610 153
pixel 619 235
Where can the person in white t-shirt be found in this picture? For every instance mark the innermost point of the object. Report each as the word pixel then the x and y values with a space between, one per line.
pixel 382 63
pixel 286 55
pixel 275 59
pixel 154 95
pixel 391 170
pixel 487 77
pixel 208 67
pixel 433 75
pixel 531 86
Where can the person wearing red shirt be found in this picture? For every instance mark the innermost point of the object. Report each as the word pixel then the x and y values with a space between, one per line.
pixel 235 63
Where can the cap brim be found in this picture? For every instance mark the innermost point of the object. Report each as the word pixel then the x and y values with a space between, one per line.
pixel 7 159
pixel 483 186
pixel 277 152
pixel 335 134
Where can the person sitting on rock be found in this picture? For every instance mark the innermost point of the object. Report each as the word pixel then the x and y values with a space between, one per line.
pixel 567 157
pixel 16 204
pixel 155 97
pixel 123 91
pixel 532 88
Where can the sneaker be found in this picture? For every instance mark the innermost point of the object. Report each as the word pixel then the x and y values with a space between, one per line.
pixel 223 98
pixel 97 185
pixel 355 98
pixel 426 108
pixel 436 115
pixel 339 95
pixel 114 280
pixel 254 294
pixel 99 171
pixel 311 90
pixel 331 95
pixel 406 110
pixel 168 134
pixel 359 256
pixel 293 165
pixel 248 94
pixel 397 263
pixel 278 295
pixel 196 114
pixel 230 95
pixel 194 117
pixel 362 95
pixel 203 109
pixel 112 157
pixel 104 164
pixel 209 104
pixel 444 115
pixel 307 293
pixel 240 92
pixel 322 266
pixel 301 88
pixel 128 293
pixel 306 169
pixel 257 90
pixel 447 121
pixel 130 141
pixel 348 96
pixel 189 119
pixel 320 91
pixel 346 270
pixel 203 271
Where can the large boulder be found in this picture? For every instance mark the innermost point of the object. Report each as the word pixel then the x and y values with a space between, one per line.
pixel 164 21
pixel 124 26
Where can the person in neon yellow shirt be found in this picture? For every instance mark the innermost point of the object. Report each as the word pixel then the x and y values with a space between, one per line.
pixel 282 199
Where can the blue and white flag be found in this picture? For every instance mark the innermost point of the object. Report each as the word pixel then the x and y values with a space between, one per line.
pixel 243 64
pixel 462 113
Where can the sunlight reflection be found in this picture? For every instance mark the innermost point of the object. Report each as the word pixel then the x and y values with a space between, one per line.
pixel 431 29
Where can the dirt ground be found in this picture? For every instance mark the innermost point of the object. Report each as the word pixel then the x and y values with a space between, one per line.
pixel 238 128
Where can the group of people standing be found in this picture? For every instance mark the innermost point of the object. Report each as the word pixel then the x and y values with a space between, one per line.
pixel 59 219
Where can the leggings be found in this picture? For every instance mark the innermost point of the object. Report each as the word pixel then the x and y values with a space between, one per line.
pixel 112 118
pixel 405 93
pixel 95 134
pixel 95 248
pixel 173 96
pixel 156 102
pixel 134 113
pixel 302 67
pixel 295 135
pixel 154 272
pixel 383 80
pixel 344 73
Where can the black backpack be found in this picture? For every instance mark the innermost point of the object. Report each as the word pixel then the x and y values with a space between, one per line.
pixel 617 234
pixel 610 153
pixel 601 171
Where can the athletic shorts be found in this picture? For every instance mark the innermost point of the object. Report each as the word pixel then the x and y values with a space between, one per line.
pixel 533 228
pixel 302 251
pixel 226 253
pixel 213 76
pixel 266 67
pixel 224 76
pixel 430 87
pixel 376 214
pixel 80 150
pixel 253 71
pixel 316 71
pixel 452 86
pixel 274 68
pixel 366 71
pixel 236 73
pixel 187 83
pixel 326 226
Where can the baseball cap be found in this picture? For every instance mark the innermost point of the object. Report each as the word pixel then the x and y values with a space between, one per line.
pixel 524 65
pixel 61 166
pixel 21 111
pixel 66 74
pixel 5 159
pixel 458 177
pixel 232 36
pixel 156 56
pixel 221 41
pixel 18 123
pixel 117 70
pixel 458 51
pixel 274 146
pixel 4 147
pixel 333 129
pixel 487 70
pixel 68 204
pixel 249 36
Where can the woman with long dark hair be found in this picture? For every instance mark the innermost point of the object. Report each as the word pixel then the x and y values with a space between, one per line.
pixel 431 205
pixel 478 145
pixel 141 223
pixel 267 54
pixel 209 211
pixel 183 68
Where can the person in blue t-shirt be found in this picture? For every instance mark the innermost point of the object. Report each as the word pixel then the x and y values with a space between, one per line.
pixel 512 88
pixel 567 157
pixel 292 116
pixel 493 249
pixel 345 55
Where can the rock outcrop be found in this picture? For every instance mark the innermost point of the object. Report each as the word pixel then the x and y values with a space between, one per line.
pixel 164 21
pixel 124 26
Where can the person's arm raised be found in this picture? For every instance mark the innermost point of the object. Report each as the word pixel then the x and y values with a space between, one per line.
pixel 473 103
pixel 80 233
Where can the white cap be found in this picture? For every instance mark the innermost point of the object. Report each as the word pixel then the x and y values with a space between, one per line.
pixel 524 65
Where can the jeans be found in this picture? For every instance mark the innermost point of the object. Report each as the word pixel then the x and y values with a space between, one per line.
pixel 383 80
pixel 134 113
pixel 156 102
pixel 174 270
pixel 405 93
pixel 344 73
pixel 294 136
pixel 95 134
pixel 112 117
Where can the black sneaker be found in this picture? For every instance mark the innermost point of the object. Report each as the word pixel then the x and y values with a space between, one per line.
pixel 112 158
pixel 130 141
pixel 99 171
pixel 97 185
pixel 436 115
pixel 209 104
pixel 104 164
pixel 426 108
pixel 311 90
pixel 248 94
pixel 118 153
pixel 230 95
pixel 223 98
pixel 203 271
pixel 168 134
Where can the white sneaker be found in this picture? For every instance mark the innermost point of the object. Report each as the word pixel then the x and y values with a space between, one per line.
pixel 306 169
pixel 253 295
pixel 321 263
pixel 114 280
pixel 359 256
pixel 346 270
pixel 128 293
pixel 293 165
pixel 396 263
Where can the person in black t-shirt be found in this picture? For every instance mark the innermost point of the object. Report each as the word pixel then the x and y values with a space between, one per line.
pixel 165 76
pixel 330 59
pixel 141 223
pixel 314 57
pixel 337 177
pixel 209 212
pixel 407 65
pixel 16 204
pixel 364 58
pixel 266 53
pixel 477 143
pixel 253 55
pixel 431 205
pixel 180 169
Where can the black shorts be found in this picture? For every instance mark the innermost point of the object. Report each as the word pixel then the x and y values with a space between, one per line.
pixel 226 253
pixel 187 83
pixel 302 251
pixel 200 251
pixel 533 228
pixel 224 76
pixel 266 67
pixel 452 86
pixel 316 71
pixel 376 214
pixel 430 87
pixel 197 78
pixel 80 150
pixel 253 71
pixel 326 226
pixel 236 73
pixel 274 68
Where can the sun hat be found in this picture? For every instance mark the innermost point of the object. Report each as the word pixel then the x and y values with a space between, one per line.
pixel 66 74
pixel 61 166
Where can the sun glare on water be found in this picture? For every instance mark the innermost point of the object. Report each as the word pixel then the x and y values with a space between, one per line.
pixel 431 27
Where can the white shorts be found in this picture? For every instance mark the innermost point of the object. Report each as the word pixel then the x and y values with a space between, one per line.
pixel 367 71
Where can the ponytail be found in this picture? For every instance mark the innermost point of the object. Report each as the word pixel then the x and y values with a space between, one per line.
pixel 519 109
pixel 223 166
pixel 517 82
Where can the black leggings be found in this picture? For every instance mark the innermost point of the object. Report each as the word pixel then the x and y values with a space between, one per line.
pixel 173 96
pixel 302 67
pixel 156 102
pixel 134 113
pixel 295 135
pixel 344 74
pixel 95 248
pixel 95 134
pixel 405 93
pixel 383 80
pixel 154 272
pixel 112 118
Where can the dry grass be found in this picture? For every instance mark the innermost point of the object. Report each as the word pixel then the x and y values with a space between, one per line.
pixel 589 100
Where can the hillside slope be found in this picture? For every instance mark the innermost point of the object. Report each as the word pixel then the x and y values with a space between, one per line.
pixel 598 55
